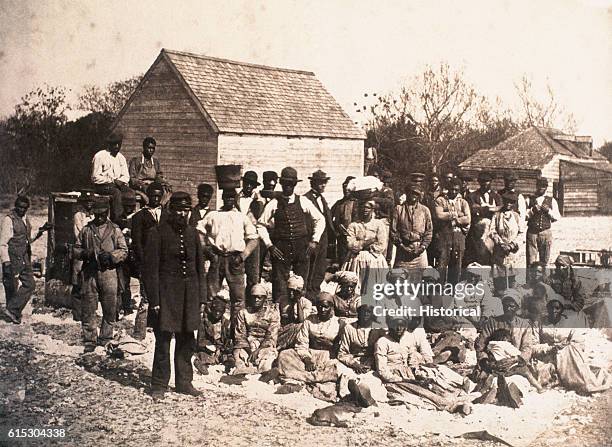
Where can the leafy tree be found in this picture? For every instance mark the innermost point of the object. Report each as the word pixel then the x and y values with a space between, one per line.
pixel 606 150
pixel 36 128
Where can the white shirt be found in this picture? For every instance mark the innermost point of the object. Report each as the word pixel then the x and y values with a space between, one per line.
pixel 227 231
pixel 266 221
pixel 106 169
pixel 6 234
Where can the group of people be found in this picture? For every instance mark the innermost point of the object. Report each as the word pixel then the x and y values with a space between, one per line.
pixel 209 271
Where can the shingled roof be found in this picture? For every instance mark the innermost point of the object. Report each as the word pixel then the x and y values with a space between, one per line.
pixel 256 99
pixel 532 149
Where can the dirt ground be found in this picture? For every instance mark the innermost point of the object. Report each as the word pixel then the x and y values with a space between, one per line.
pixel 45 381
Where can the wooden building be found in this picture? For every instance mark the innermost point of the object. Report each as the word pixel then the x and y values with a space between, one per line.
pixel 205 111
pixel 579 177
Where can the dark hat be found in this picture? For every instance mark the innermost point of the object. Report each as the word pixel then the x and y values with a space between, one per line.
pixel 417 177
pixel 319 176
pixel 87 195
pixel 228 176
pixel 509 196
pixel 542 182
pixel 268 176
pixel 128 197
pixel 100 204
pixel 229 192
pixel 466 177
pixel 510 176
pixel 289 174
pixel 484 176
pixel 115 137
pixel 251 177
pixel 180 200
pixel 414 187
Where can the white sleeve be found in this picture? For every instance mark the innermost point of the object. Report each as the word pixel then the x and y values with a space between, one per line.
pixel 97 172
pixel 317 218
pixel 266 222
pixel 6 233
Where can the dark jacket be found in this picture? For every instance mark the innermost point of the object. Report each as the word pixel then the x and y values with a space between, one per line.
pixel 174 278
pixel 329 226
pixel 142 222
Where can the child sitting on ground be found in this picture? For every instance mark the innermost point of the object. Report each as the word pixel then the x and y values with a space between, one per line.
pixel 500 347
pixel 214 344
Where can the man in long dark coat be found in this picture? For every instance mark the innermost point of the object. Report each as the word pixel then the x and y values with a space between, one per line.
pixel 175 282
pixel 318 259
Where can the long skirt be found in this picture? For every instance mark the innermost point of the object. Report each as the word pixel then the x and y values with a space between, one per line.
pixel 371 269
pixel 291 366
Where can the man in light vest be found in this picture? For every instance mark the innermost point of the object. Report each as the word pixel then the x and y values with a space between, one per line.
pixel 542 211
pixel 16 254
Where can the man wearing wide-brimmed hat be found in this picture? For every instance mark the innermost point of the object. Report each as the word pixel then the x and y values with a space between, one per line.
pixel 110 174
pixel 343 212
pixel 175 282
pixel 411 231
pixel 542 211
pixel 283 227
pixel 318 259
pixel 102 248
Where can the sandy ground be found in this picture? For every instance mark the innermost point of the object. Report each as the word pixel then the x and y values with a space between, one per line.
pixel 47 382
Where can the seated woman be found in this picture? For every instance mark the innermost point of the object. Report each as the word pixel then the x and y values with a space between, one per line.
pixel 561 344
pixel 214 340
pixel 256 333
pixel 500 347
pixel 521 330
pixel 316 345
pixel 299 308
pixel 367 242
pixel 357 341
pixel 563 281
pixel 346 300
pixel 391 355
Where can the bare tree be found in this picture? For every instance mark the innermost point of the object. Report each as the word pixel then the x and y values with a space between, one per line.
pixel 435 116
pixel 109 99
pixel 542 112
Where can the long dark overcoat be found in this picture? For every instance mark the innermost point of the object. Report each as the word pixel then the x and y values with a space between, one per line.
pixel 174 278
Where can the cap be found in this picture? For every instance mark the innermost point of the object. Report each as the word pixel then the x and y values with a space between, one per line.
pixel 100 204
pixel 510 177
pixel 484 176
pixel 228 176
pixel 180 200
pixel 542 182
pixel 414 187
pixel 205 188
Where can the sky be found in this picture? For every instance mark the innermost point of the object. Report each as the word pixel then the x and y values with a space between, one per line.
pixel 352 46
